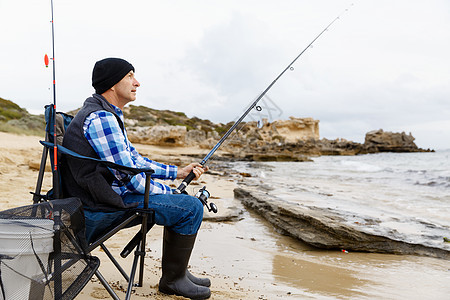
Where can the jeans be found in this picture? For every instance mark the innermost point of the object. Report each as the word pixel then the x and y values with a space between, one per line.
pixel 182 213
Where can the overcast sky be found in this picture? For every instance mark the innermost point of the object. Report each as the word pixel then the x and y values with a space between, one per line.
pixel 384 64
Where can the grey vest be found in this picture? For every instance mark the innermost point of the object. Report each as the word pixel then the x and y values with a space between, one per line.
pixel 89 181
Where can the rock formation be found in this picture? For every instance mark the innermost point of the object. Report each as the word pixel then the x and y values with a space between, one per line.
pixel 326 229
pixel 280 140
pixel 292 130
pixel 159 135
pixel 381 141
pixel 287 140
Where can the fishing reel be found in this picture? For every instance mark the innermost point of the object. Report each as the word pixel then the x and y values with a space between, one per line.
pixel 203 196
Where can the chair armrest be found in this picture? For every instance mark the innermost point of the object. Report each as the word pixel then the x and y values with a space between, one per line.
pixel 122 168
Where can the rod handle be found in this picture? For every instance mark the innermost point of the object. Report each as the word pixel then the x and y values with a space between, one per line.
pixel 185 183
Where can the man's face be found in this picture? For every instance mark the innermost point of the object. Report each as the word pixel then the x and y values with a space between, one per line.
pixel 125 89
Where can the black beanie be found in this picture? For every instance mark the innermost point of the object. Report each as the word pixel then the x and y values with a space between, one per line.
pixel 109 71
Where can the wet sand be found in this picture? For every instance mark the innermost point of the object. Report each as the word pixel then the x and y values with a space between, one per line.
pixel 245 258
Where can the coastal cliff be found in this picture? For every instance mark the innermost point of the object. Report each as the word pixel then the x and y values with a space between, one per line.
pixel 281 140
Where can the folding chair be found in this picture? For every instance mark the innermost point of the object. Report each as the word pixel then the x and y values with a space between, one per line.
pixel 123 218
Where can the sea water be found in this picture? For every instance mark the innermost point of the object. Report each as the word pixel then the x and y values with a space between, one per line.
pixel 405 196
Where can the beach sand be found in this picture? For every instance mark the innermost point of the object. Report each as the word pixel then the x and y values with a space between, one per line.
pixel 246 258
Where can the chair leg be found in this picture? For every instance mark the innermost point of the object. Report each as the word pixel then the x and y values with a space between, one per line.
pixel 142 252
pixel 57 249
pixel 106 285
pixel 37 191
pixel 137 254
pixel 114 261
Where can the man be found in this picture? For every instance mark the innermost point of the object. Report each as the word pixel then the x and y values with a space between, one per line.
pixel 98 131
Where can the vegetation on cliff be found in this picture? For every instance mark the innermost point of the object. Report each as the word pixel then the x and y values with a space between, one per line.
pixel 142 116
pixel 18 120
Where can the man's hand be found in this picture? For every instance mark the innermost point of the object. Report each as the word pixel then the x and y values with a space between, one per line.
pixel 195 167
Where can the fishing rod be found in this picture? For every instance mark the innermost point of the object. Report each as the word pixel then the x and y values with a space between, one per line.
pixel 55 169
pixel 203 193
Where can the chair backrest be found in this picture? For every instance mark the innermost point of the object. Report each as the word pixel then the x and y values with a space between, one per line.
pixel 59 126
pixel 62 122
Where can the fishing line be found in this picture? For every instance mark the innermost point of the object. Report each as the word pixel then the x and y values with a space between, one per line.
pixel 191 175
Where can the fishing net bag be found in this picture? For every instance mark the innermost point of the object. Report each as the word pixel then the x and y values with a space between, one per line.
pixel 42 251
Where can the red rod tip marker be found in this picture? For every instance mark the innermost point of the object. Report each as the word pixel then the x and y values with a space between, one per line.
pixel 46 60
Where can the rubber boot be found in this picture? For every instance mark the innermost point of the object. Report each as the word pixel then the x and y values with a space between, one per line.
pixel 177 250
pixel 198 281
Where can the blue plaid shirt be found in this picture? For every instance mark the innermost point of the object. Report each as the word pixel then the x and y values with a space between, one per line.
pixel 106 137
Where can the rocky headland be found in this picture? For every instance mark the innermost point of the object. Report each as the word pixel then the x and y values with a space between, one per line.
pixel 280 140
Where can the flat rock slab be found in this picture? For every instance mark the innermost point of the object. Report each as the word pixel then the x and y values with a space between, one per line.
pixel 228 210
pixel 325 229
